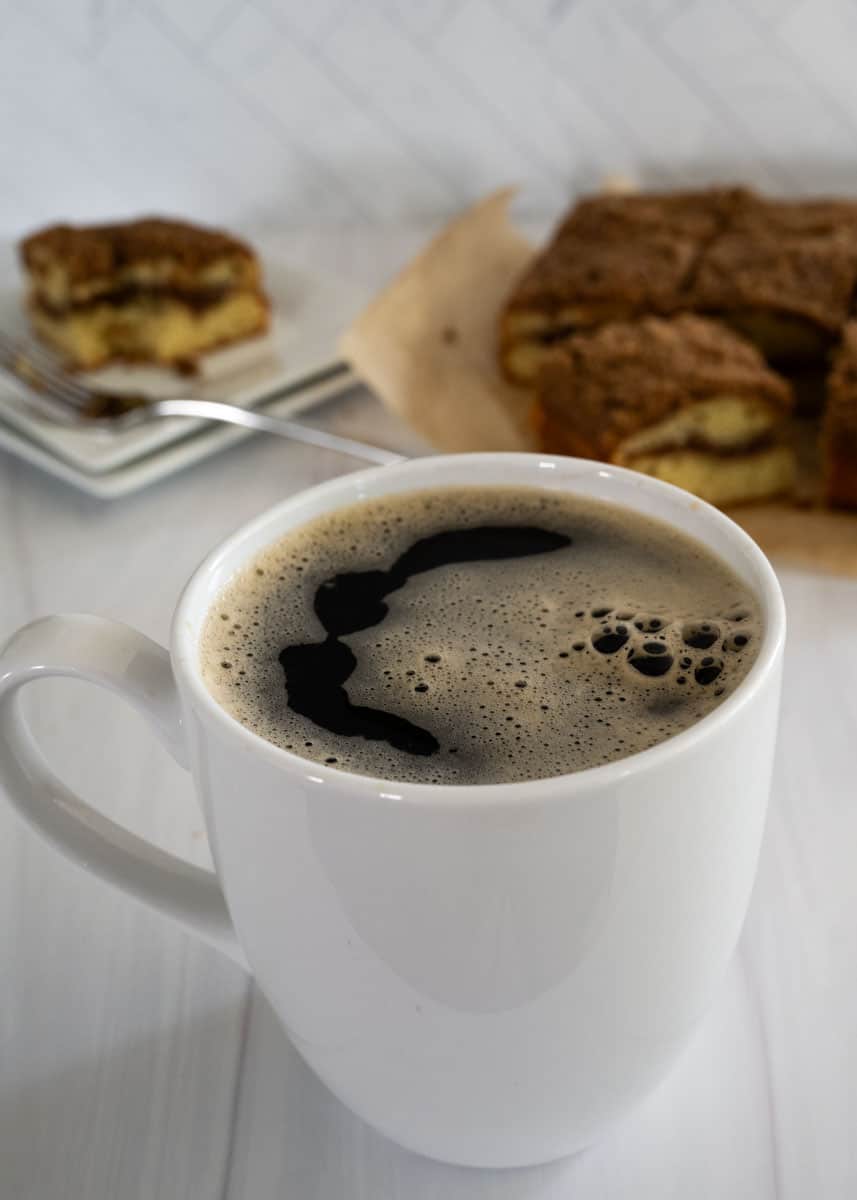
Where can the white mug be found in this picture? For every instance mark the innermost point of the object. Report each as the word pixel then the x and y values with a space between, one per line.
pixel 490 975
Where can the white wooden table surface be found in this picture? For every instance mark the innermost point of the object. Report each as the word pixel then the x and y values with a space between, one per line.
pixel 136 1064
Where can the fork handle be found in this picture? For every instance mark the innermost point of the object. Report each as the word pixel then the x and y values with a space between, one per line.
pixel 231 414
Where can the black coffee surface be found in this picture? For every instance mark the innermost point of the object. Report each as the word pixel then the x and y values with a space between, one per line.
pixel 478 635
pixel 315 672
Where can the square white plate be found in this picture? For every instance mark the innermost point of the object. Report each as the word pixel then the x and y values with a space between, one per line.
pixel 177 454
pixel 309 307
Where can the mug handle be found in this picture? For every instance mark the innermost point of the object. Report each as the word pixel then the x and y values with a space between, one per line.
pixel 126 662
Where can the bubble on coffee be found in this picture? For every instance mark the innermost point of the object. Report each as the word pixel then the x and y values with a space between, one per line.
pixel 478 635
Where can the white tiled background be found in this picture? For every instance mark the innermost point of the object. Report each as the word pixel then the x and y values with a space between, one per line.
pixel 285 112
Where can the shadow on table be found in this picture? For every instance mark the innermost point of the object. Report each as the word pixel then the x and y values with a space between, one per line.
pixel 708 1123
pixel 294 1140
pixel 148 1119
pixel 138 1123
pixel 160 1119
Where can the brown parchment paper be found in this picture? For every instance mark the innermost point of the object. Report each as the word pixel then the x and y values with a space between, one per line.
pixel 427 347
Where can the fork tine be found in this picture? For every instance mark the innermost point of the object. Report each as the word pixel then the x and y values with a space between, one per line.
pixel 47 374
pixel 38 357
pixel 48 365
pixel 40 354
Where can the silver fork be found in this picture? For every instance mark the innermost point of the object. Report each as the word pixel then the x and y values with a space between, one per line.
pixel 62 399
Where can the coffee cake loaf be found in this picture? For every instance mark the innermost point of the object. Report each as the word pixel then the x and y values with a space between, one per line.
pixel 780 272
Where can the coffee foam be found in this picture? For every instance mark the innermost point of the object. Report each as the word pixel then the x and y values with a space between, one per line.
pixel 521 668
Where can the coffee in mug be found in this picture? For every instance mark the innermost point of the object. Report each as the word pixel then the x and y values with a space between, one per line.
pixel 477 635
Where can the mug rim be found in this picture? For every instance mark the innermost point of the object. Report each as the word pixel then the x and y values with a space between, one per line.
pixel 195 602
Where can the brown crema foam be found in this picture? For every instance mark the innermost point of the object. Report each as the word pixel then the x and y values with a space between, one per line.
pixel 478 635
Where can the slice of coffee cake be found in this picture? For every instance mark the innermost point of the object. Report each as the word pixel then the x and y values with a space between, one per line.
pixel 783 274
pixel 146 291
pixel 683 399
pixel 612 258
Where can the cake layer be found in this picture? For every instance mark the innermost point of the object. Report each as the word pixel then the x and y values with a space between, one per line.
pixel 68 264
pixel 721 478
pixel 723 424
pixel 725 479
pixel 159 329
pixel 197 298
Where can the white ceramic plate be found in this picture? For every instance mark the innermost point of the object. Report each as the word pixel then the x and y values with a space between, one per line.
pixel 309 311
pixel 175 456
